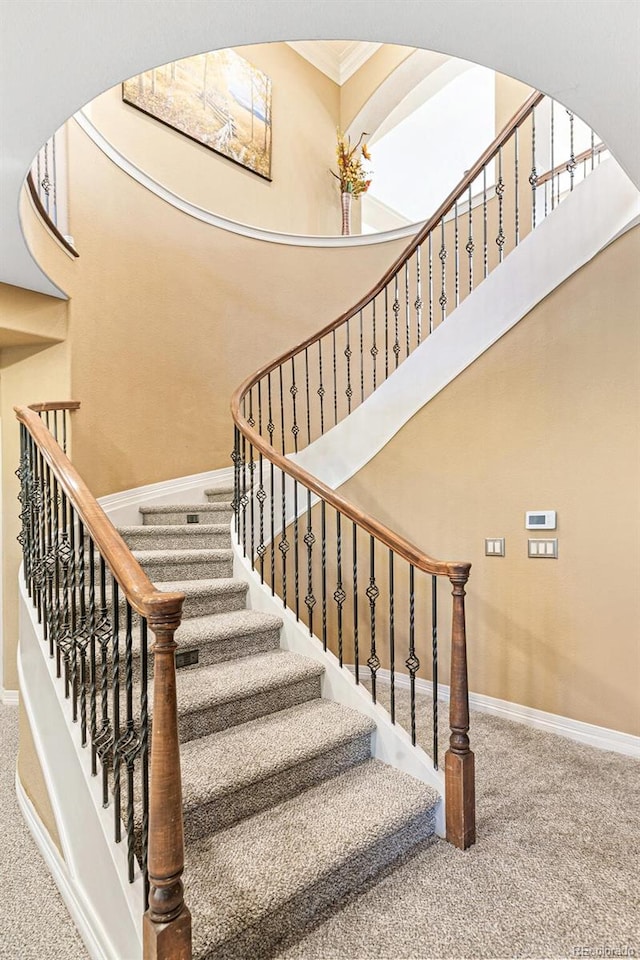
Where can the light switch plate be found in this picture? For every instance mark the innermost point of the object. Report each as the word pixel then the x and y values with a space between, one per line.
pixel 494 547
pixel 544 549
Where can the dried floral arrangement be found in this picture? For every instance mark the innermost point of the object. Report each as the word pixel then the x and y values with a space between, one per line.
pixel 351 172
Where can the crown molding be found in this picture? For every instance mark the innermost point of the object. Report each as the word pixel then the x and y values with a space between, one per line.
pixel 338 67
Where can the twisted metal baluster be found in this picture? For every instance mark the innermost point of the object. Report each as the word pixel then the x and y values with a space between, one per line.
pixel 571 165
pixel 412 663
pixel 434 664
pixel 323 528
pixel 283 546
pixel 296 543
pixel 469 245
pixel 131 743
pixel 293 390
pixel 261 496
pixel 306 380
pixel 485 248
pixel 339 594
pixel 515 174
pixel 553 197
pixel 144 749
pixel 320 391
pixel 500 186
pixel 83 635
pixel 104 738
pixel 386 331
pixel 361 361
pixel 93 622
pixel 309 540
pixel 356 652
pixel 272 551
pixel 374 348
pixel 456 254
pixel 282 444
pixel 407 309
pixel 115 690
pixel 396 314
pixel 252 519
pixel 533 176
pixel 443 260
pixel 348 354
pixel 430 283
pixel 335 379
pixel 392 638
pixel 270 424
pixel 372 593
pixel 418 301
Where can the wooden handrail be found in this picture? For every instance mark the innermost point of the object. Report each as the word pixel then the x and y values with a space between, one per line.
pixel 146 599
pixel 49 224
pixel 167 921
pixel 562 167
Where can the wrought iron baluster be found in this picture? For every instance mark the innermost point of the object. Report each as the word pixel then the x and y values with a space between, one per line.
pixel 500 187
pixel 533 176
pixel 407 310
pixel 309 540
pixel 283 546
pixel 335 379
pixel 65 640
pixel 93 668
pixel 412 663
pixel 272 546
pixel 306 381
pixel 261 496
pixel 144 749
pixel 386 331
pixel 244 499
pixel 361 361
pixel 392 639
pixel 270 424
pixel 418 301
pixel 374 348
pixel 323 529
pixel 296 556
pixel 64 430
pixel 443 260
pixel 131 741
pixel 293 390
pixel 571 165
pixel 54 179
pixel 235 458
pixel 456 254
pixel 434 665
pixel 372 593
pixel 115 692
pixel 356 652
pixel 73 614
pixel 553 199
pixel 348 354
pixel 485 247
pixel 104 740
pixel 49 563
pixel 57 580
pixel 339 594
pixel 83 635
pixel 396 322
pixel 430 283
pixel 252 501
pixel 320 391
pixel 469 245
pixel 282 444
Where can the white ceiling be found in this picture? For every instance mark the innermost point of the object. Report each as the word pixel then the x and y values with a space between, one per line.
pixel 56 55
pixel 338 59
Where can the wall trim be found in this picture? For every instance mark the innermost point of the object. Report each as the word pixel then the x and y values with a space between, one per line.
pixel 10 698
pixel 224 223
pixel 601 737
pixel 122 507
pixel 79 908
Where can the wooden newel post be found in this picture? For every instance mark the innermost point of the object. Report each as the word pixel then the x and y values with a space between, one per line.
pixel 459 768
pixel 167 921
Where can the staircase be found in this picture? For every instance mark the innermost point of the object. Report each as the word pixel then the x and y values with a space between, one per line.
pixel 285 811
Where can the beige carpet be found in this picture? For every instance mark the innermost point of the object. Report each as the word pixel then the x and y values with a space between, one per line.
pixel 34 922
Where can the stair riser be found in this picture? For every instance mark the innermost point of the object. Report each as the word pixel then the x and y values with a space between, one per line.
pixel 178 540
pixel 161 571
pixel 281 928
pixel 222 812
pixel 220 717
pixel 223 515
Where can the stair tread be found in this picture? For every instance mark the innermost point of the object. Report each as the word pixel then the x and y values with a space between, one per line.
pixel 197 588
pixel 224 626
pixel 173 529
pixel 184 508
pixel 233 759
pixel 182 555
pixel 221 488
pixel 235 680
pixel 304 840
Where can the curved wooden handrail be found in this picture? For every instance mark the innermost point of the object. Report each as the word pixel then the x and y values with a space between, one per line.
pixel 146 599
pixel 48 222
pixel 54 405
pixel 562 167
pixel 394 541
pixel 445 207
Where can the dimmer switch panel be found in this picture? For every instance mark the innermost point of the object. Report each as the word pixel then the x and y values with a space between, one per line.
pixel 548 549
pixel 540 519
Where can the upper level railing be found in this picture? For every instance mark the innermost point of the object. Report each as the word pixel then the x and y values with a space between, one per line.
pixel 352 580
pixel 47 185
pixel 96 605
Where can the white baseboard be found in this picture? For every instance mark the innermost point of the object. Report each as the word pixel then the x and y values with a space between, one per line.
pixel 601 737
pixel 80 910
pixel 122 507
pixel 10 698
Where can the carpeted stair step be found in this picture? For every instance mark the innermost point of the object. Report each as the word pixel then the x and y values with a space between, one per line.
pixel 163 565
pixel 202 597
pixel 253 889
pixel 181 514
pixel 238 772
pixel 228 694
pixel 220 493
pixel 191 536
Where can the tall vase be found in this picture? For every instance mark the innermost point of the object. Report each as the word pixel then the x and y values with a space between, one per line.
pixel 346 199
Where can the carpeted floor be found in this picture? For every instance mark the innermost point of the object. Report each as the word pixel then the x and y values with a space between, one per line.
pixel 34 921
pixel 554 873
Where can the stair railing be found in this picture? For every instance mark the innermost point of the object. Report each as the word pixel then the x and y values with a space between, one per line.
pixel 96 606
pixel 306 541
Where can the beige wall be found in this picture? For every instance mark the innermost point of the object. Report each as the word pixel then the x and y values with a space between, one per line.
pixel 547 419
pixel 306 111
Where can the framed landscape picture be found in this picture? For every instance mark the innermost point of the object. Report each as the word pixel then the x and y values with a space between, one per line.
pixel 217 99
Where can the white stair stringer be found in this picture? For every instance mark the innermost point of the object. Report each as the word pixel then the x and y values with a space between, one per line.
pixel 598 210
